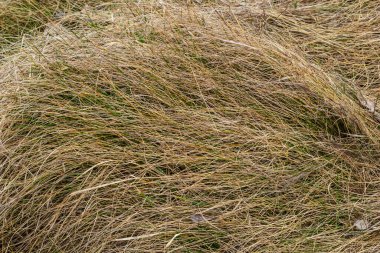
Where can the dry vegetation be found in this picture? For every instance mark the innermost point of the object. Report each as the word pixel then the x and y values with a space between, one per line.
pixel 178 126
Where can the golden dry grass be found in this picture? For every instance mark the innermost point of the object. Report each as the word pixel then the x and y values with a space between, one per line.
pixel 206 126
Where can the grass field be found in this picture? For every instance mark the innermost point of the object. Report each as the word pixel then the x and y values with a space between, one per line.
pixel 189 126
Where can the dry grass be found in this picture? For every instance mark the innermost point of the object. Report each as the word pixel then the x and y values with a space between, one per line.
pixel 163 126
pixel 22 17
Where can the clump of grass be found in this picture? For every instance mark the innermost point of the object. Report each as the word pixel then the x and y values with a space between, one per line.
pixel 22 17
pixel 338 35
pixel 114 136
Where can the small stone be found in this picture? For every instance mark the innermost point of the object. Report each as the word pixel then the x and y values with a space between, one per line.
pixel 197 218
pixel 361 225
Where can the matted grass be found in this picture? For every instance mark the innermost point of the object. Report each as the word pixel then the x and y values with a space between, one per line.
pixel 159 126
pixel 22 17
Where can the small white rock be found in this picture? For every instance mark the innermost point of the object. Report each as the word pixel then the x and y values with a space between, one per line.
pixel 371 105
pixel 361 225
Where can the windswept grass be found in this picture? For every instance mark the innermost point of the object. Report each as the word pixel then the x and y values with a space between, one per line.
pixel 164 126
pixel 20 17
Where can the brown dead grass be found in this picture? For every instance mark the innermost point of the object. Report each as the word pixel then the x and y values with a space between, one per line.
pixel 183 127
